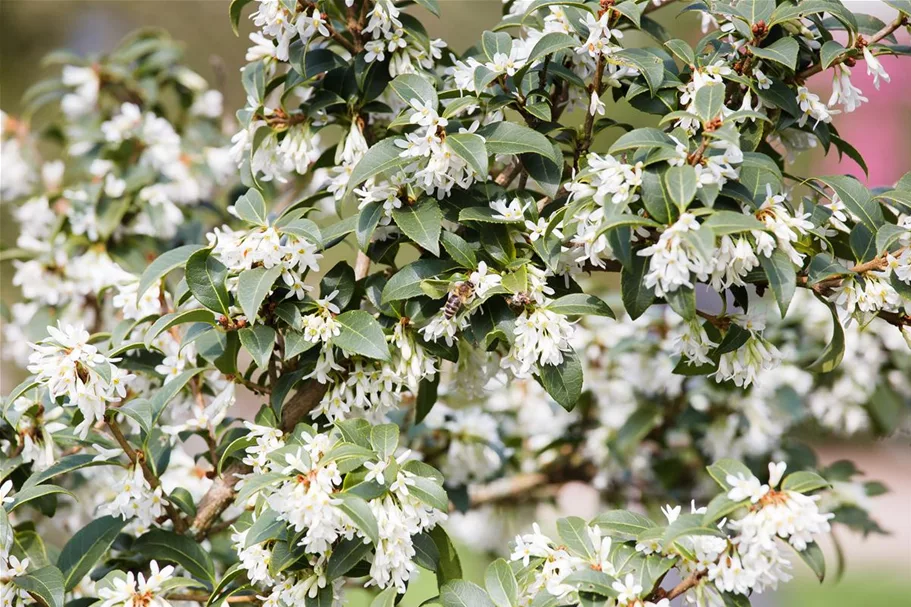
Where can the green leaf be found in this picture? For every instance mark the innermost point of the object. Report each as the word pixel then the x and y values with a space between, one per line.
pixel 549 44
pixel 888 237
pixel 406 283
pixel 140 411
pixel 470 148
pixel 778 94
pixel 234 11
pixel 28 494
pixel 649 64
pixel 804 481
pixel 493 43
pixel 783 51
pixel 431 5
pixel 206 281
pixel 725 467
pixel 360 514
pixel 709 101
pixel 461 593
pixel 345 556
pixel 384 599
pixel 429 492
pixel 45 585
pixel 682 300
pixel 546 173
pixel 511 138
pixel 688 525
pixel 681 183
pixel 682 50
pixel 857 198
pixel 177 318
pixel 655 197
pixel 84 549
pixel 637 298
pixel 823 267
pixel 564 381
pixel 484 215
pixel 834 351
pixel 367 221
pixel 384 438
pixel 574 533
pixel 790 11
pixel 902 6
pixel 304 229
pixel 267 527
pixel 253 286
pixel 360 333
pixel 645 138
pixel 422 222
pixel 579 304
pixel 179 549
pixel 782 278
pixel 595 582
pixel 731 222
pixel 257 483
pixel 816 560
pixel 450 567
pixel 622 524
pixel 164 263
pixel 252 208
pixel 314 62
pixel 259 341
pixel 64 465
pixel 414 86
pixel 720 507
pixel 831 52
pixel 501 584
pixel 382 157
pixel 168 391
pixel 459 249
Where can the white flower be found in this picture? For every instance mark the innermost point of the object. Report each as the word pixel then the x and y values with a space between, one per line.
pixel 812 107
pixel 376 471
pixel 875 68
pixel 513 211
pixel 843 91
pixel 743 487
pixel 484 279
pixel 69 366
pixel 628 589
pixel 308 26
pixel 5 490
pixel 596 106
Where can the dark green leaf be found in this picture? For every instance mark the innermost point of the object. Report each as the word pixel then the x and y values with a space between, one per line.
pixel 252 288
pixel 360 333
pixel 206 281
pixel 422 223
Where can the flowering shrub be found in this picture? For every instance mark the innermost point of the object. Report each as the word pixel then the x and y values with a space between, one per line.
pixel 462 361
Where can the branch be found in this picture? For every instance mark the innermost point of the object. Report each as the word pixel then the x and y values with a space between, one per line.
pixel 138 458
pixel 822 287
pixel 586 142
pixel 221 494
pixel 505 488
pixel 888 30
pixel 683 586
pixel 508 174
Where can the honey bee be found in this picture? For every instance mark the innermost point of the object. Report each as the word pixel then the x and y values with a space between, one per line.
pixel 460 294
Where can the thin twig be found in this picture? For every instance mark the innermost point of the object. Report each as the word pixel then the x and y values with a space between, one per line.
pixel 888 30
pixel 138 458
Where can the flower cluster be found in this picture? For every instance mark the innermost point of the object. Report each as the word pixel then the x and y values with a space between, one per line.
pixel 69 366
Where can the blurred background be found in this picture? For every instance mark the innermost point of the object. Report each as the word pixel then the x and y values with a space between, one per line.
pixel 878 567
